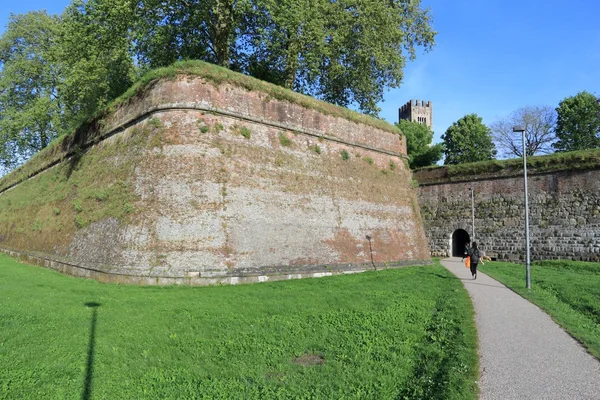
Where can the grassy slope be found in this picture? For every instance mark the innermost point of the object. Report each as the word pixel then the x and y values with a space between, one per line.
pixel 568 291
pixel 573 160
pixel 404 333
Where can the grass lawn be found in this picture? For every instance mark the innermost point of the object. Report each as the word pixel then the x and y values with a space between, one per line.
pixel 395 334
pixel 569 291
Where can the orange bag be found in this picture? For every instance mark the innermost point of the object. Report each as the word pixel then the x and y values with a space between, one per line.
pixel 468 262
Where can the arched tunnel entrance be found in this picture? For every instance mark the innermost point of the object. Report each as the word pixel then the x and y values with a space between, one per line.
pixel 459 238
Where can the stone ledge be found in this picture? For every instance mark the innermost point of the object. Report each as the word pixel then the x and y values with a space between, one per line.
pixel 195 278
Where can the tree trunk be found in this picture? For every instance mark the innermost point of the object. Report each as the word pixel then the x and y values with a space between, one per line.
pixel 223 30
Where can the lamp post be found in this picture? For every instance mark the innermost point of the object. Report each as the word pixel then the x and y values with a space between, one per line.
pixel 472 212
pixel 527 259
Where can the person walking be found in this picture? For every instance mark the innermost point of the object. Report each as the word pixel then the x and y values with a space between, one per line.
pixel 475 255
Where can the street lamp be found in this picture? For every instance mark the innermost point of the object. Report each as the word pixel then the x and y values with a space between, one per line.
pixel 527 259
pixel 472 212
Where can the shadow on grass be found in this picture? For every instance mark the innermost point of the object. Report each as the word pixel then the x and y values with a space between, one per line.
pixel 87 386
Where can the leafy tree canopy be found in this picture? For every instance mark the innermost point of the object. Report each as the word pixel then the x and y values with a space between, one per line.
pixel 346 52
pixel 55 72
pixel 578 123
pixel 29 81
pixel 418 144
pixel 539 123
pixel 468 140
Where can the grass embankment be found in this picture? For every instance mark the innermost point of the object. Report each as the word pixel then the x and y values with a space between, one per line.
pixel 394 334
pixel 573 160
pixel 569 291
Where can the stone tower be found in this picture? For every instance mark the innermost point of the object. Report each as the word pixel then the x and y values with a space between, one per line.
pixel 417 111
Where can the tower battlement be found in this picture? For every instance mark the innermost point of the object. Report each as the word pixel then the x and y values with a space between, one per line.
pixel 420 111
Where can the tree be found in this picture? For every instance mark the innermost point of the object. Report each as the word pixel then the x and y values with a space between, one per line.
pixel 468 140
pixel 96 57
pixel 539 123
pixel 418 144
pixel 578 123
pixel 30 109
pixel 345 52
pixel 208 30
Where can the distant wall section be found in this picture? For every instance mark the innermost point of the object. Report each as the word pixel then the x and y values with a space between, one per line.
pixel 564 212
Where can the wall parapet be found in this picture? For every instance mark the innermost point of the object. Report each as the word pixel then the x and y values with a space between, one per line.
pixel 571 161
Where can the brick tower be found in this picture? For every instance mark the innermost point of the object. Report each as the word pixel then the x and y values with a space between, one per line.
pixel 417 111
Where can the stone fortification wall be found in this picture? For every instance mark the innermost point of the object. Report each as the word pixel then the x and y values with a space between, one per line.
pixel 197 182
pixel 564 211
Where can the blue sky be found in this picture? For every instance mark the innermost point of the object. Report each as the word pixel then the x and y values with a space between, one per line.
pixel 491 57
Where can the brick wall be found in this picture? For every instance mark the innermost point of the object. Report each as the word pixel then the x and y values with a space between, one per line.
pixel 233 186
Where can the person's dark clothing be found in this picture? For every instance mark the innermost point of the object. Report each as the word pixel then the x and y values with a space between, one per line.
pixel 473 268
pixel 474 254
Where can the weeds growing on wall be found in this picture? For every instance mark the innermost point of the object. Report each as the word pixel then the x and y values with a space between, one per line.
pixel 284 140
pixel 75 193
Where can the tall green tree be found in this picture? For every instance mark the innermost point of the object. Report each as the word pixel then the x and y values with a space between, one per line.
pixel 578 123
pixel 30 107
pixel 418 144
pixel 346 52
pixel 95 51
pixel 468 140
pixel 539 123
pixel 208 30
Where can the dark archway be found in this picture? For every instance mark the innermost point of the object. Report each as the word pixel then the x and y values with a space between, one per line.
pixel 459 238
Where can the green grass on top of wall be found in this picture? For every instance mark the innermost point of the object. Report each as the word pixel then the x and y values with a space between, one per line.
pixel 64 145
pixel 574 160
pixel 393 334
pixel 569 291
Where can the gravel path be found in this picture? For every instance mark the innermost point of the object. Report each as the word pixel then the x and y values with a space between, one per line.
pixel 523 354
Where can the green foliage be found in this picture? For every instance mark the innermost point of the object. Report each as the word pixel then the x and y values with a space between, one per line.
pixel 578 123
pixel 204 128
pixel 59 72
pixel 393 334
pixel 346 52
pixel 468 140
pixel 94 51
pixel 345 155
pixel 584 159
pixel 284 140
pixel 30 114
pixel 155 123
pixel 77 206
pixel 369 160
pixel 219 127
pixel 418 144
pixel 569 291
pixel 245 132
pixel 317 149
pixel 392 165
